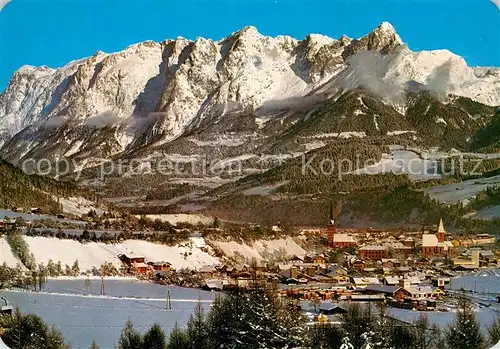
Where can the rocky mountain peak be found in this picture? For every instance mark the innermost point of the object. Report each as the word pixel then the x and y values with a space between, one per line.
pixel 154 93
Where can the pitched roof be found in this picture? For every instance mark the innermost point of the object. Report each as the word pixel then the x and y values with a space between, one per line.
pixel 334 268
pixel 342 238
pixel 421 289
pixel 207 269
pixel 382 288
pixel 365 281
pixel 140 265
pixel 429 240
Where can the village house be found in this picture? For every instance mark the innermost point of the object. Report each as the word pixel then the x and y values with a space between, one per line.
pixel 367 298
pixel 242 279
pixel 139 267
pixel 395 280
pixel 214 285
pixel 337 270
pixel 409 242
pixel 361 282
pixel 394 292
pixel 208 271
pixel 425 292
pixel 135 264
pixel 315 259
pixel 160 266
pixel 296 260
pixel 421 291
pixel 468 263
pixel 337 274
pixel 477 240
pixel 328 308
pixel 399 248
pixel 358 265
pixel 131 258
pixel 373 252
pixel 290 273
pixel 484 239
pixel 390 263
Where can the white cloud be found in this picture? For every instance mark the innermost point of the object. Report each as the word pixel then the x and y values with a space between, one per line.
pixel 102 120
pixel 3 3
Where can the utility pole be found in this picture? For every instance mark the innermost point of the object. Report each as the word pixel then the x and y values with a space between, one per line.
pixel 102 285
pixel 168 304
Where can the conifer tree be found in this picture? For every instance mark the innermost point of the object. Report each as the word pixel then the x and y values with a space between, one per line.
pixel 465 332
pixel 358 321
pixel 129 338
pixel 154 338
pixel 197 330
pixel 30 331
pixel 424 335
pixel 75 269
pixel 326 336
pixel 178 339
pixel 222 321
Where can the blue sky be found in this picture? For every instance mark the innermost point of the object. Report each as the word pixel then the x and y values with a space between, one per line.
pixel 53 32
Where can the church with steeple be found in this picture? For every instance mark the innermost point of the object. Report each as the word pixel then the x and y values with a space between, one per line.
pixel 336 240
pixel 435 244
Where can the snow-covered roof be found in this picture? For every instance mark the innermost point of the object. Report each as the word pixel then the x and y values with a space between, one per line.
pixel 392 280
pixel 140 265
pixel 365 281
pixel 429 240
pixel 445 244
pixel 342 238
pixel 421 289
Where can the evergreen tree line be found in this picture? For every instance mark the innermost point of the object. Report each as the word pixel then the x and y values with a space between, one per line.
pixel 35 277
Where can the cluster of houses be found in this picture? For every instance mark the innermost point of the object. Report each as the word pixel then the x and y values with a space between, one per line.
pixel 138 265
pixel 407 269
pixel 464 253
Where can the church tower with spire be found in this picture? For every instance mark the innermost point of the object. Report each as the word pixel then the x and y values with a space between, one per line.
pixel 331 228
pixel 441 232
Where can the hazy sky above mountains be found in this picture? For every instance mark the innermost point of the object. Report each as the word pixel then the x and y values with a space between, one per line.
pixel 53 32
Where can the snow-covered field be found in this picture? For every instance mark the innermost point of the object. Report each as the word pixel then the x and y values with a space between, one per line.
pixel 83 319
pixel 78 206
pixel 492 212
pixel 453 193
pixel 89 255
pixel 260 248
pixel 404 161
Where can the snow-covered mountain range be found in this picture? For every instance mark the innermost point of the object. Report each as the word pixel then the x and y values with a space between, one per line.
pixel 236 93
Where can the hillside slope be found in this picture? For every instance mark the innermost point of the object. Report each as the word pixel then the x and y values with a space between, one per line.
pixel 18 189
